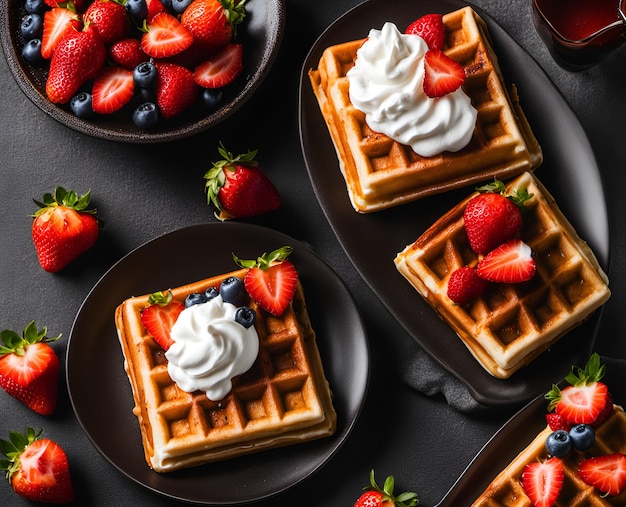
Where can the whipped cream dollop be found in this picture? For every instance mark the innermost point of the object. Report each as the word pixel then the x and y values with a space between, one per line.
pixel 386 85
pixel 210 348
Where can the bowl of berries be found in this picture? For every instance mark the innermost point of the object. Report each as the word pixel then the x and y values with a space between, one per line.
pixel 140 71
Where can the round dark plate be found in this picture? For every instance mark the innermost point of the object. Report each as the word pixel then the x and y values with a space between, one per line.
pixel 514 436
pixel 100 391
pixel 372 240
pixel 261 34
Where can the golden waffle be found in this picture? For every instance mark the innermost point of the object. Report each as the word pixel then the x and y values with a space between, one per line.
pixel 283 399
pixel 380 172
pixel 509 325
pixel 506 489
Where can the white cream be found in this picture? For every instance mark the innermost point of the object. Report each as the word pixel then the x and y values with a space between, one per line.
pixel 386 85
pixel 210 348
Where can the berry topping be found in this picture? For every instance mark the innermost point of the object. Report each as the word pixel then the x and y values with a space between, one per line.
pixel 557 422
pixel 430 28
pixel 511 262
pixel 442 75
pixel 211 292
pixel 159 317
pixel 246 316
pixel 465 285
pixel 233 291
pixel 271 280
pixel 583 437
pixel 543 481
pixel 376 496
pixel 195 298
pixel 606 473
pixel 559 443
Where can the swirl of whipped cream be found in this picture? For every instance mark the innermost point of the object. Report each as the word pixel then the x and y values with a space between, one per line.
pixel 210 348
pixel 386 85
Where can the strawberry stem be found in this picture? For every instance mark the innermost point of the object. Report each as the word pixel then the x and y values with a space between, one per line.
pixel 15 344
pixel 266 260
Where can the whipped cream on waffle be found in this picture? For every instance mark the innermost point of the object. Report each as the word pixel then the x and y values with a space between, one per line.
pixel 386 85
pixel 210 348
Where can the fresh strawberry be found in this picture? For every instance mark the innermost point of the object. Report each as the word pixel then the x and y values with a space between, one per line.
pixel 375 496
pixel 557 422
pixel 606 473
pixel 77 5
pixel 238 188
pixel 127 53
pixel 271 279
pixel 605 412
pixel 159 317
pixel 465 285
pixel 213 22
pixel 442 75
pixel 491 218
pixel 63 228
pixel 164 36
pixel 154 7
pixel 56 23
pixel 221 69
pixel 175 89
pixel 430 28
pixel 585 398
pixel 37 468
pixel 542 481
pixel 29 368
pixel 110 19
pixel 113 88
pixel 78 57
pixel 511 262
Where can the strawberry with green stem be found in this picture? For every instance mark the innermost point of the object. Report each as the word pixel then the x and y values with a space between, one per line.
pixel 29 368
pixel 271 279
pixel 63 228
pixel 213 23
pixel 160 315
pixel 37 468
pixel 376 496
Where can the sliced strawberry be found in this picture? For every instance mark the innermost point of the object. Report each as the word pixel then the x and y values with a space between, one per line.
pixel 511 262
pixel 442 75
pixel 113 88
pixel 430 28
pixel 159 317
pixel 606 473
pixel 29 368
pixel 165 37
pixel 56 23
pixel 465 285
pixel 271 279
pixel 543 481
pixel 222 69
pixel 605 412
pixel 37 468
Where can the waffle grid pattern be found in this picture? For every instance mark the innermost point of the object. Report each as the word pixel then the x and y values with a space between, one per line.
pixel 279 395
pixel 380 172
pixel 510 324
pixel 506 490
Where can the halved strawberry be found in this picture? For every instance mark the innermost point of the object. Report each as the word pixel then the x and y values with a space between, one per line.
pixel 56 23
pixel 430 28
pixel 511 262
pixel 29 368
pixel 464 285
pixel 542 481
pixel 159 317
pixel 113 88
pixel 606 473
pixel 585 398
pixel 222 69
pixel 165 36
pixel 442 75
pixel 271 280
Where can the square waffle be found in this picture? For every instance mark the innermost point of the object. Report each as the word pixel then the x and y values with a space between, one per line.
pixel 506 489
pixel 283 399
pixel 509 325
pixel 380 172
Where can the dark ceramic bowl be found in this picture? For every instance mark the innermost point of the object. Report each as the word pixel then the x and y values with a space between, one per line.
pixel 260 33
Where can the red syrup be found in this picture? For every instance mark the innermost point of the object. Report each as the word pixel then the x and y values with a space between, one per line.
pixel 578 19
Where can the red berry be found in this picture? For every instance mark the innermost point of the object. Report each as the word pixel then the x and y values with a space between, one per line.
pixel 159 317
pixel 442 75
pixel 606 473
pixel 465 285
pixel 165 37
pixel 175 89
pixel 511 262
pixel 127 53
pixel 221 69
pixel 430 28
pixel 543 481
pixel 113 88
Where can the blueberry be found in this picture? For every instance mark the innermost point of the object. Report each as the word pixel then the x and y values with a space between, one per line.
pixel 583 437
pixel 145 75
pixel 32 26
pixel 211 293
pixel 195 298
pixel 246 316
pixel 559 443
pixel 179 6
pixel 211 98
pixel 233 291
pixel 32 51
pixel 167 4
pixel 34 6
pixel 146 115
pixel 138 9
pixel 81 105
